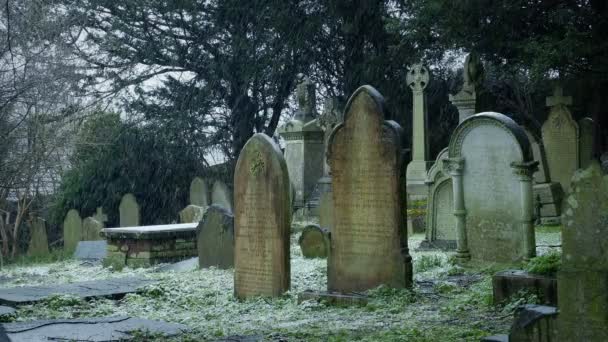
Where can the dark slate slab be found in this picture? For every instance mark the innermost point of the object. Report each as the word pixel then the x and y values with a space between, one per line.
pixel 88 329
pixel 87 289
pixel 91 250
pixel 6 311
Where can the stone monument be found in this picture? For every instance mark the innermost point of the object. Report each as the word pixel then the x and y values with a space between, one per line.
pixel 199 192
pixel 262 217
pixel 491 165
pixel 582 280
pixel 304 144
pixel 417 79
pixel 72 230
pixel 560 137
pixel 215 238
pixel 129 211
pixel 465 100
pixel 221 195
pixel 368 239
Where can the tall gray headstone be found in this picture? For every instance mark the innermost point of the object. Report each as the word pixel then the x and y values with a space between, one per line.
pixel 491 165
pixel 129 211
pixel 262 218
pixel 72 230
pixel 39 243
pixel 369 238
pixel 199 192
pixel 221 195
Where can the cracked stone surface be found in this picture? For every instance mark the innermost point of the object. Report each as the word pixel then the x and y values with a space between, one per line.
pixel 88 289
pixel 88 329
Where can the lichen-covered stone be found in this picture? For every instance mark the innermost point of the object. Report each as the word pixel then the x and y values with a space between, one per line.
pixel 314 242
pixel 191 213
pixel 215 241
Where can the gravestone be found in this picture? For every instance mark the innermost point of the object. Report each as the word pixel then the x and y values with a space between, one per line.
pixel 326 209
pixel 100 216
pixel 560 137
pixel 215 239
pixel 129 211
pixel 465 100
pixel 582 281
pixel 91 229
pixel 191 213
pixel 585 143
pixel 491 165
pixel 441 225
pixel 72 230
pixel 39 243
pixel 221 195
pixel 199 192
pixel 368 238
pixel 304 144
pixel 417 79
pixel 262 218
pixel 314 242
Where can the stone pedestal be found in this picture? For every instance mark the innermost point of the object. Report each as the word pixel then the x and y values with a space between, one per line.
pixel 417 80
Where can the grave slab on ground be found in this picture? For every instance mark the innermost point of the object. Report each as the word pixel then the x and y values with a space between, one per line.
pixel 89 329
pixel 86 289
pixel 94 251
pixel 145 246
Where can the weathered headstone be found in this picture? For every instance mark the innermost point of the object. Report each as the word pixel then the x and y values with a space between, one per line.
pixel 465 100
pixel 129 211
pixel 304 144
pixel 191 213
pixel 262 220
pixel 39 243
pixel 100 216
pixel 72 230
pixel 583 277
pixel 441 225
pixel 215 239
pixel 417 79
pixel 368 239
pixel 91 229
pixel 199 192
pixel 221 195
pixel 314 242
pixel 560 137
pixel 491 164
pixel 585 143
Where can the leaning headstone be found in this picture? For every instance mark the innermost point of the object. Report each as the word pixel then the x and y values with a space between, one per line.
pixel 368 239
pixel 585 143
pixel 215 239
pixel 191 213
pixel 417 80
pixel 129 211
pixel 221 195
pixel 72 230
pixel 199 192
pixel 560 137
pixel 441 225
pixel 91 228
pixel 39 243
pixel 262 220
pixel 314 242
pixel 582 280
pixel 491 165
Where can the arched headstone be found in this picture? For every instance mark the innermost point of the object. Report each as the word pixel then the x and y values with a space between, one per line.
pixel 262 213
pixel 91 229
pixel 129 211
pixel 441 225
pixel 72 230
pixel 221 195
pixel 368 237
pixel 39 243
pixel 199 192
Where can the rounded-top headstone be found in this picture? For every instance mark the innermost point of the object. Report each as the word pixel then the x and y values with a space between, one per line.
pixel 262 220
pixel 129 211
pixel 314 242
pixel 199 192
pixel 72 230
pixel 221 195
pixel 215 238
pixel 91 229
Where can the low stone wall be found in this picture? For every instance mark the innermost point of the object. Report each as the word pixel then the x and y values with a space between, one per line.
pixel 149 245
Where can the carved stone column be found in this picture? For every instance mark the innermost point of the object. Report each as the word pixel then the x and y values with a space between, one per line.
pixel 525 171
pixel 455 167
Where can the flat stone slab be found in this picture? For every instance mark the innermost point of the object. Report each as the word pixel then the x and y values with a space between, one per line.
pixel 91 250
pixel 510 282
pixel 334 298
pixel 86 289
pixel 182 266
pixel 150 232
pixel 6 311
pixel 88 329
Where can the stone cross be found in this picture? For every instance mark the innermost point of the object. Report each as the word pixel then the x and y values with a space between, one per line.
pixel 305 94
pixel 558 98
pixel 417 79
pixel 101 216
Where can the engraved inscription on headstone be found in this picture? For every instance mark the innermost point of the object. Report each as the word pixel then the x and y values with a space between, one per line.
pixel 262 220
pixel 368 242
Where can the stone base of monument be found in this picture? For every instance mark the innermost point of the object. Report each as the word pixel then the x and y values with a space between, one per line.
pixel 548 200
pixel 145 246
pixel 506 284
pixel 334 298
pixel 532 323
pixel 444 245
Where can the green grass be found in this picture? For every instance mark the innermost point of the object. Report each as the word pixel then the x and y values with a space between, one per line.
pixel 547 264
pixel 55 255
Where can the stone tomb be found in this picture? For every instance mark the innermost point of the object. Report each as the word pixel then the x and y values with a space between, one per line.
pixel 129 211
pixel 149 245
pixel 441 224
pixel 72 230
pixel 491 164
pixel 216 238
pixel 262 220
pixel 368 239
pixel 582 281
